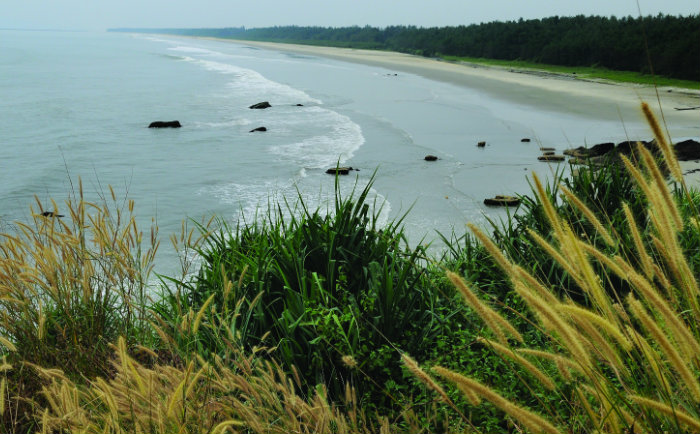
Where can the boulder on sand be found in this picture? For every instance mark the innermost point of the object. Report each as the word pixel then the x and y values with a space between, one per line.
pixel 258 129
pixel 261 105
pixel 165 124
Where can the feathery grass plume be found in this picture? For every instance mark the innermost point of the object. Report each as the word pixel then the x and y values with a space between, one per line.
pixel 687 342
pixel 530 420
pixel 578 203
pixel 549 210
pixel 556 324
pixel 495 252
pixel 660 183
pixel 674 413
pixel 493 319
pixel 666 150
pixel 647 263
pixel 529 367
pixel 554 254
pixel 582 314
pixel 563 364
pixel 426 379
pixel 670 352
pixel 528 280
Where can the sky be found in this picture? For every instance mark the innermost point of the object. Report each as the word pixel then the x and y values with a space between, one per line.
pixel 104 14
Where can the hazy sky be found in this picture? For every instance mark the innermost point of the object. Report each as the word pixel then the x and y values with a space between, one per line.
pixel 102 14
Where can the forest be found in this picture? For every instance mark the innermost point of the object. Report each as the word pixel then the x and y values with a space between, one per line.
pixel 665 45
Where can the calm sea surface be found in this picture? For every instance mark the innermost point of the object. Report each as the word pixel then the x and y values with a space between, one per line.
pixel 77 105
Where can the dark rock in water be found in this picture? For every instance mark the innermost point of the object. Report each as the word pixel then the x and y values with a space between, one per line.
pixel 430 158
pixel 258 129
pixel 300 105
pixel 601 149
pixel 261 105
pixel 594 151
pixel 165 124
pixel 339 170
pixel 551 158
pixel 548 153
pixel 481 144
pixel 627 147
pixel 546 149
pixel 502 201
pixel 51 214
pixel 525 140
pixel 687 150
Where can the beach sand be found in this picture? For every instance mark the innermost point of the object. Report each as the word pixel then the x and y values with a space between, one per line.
pixel 597 99
pixel 594 99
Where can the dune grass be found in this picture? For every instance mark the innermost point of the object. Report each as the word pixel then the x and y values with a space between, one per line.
pixel 577 314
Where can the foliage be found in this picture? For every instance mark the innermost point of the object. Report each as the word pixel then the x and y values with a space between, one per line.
pixel 330 294
pixel 628 360
pixel 669 43
pixel 69 286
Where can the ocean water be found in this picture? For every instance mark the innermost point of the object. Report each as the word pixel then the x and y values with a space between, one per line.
pixel 77 105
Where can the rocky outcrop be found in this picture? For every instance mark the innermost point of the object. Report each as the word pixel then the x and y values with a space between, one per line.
pixel 687 150
pixel 500 200
pixel 165 124
pixel 261 105
pixel 594 151
pixel 261 129
pixel 430 158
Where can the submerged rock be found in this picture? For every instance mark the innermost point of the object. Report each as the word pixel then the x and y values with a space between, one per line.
pixel 481 144
pixel 525 140
pixel 165 124
pixel 258 129
pixel 430 158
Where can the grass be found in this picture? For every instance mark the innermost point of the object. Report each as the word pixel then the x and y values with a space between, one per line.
pixel 580 72
pixel 577 314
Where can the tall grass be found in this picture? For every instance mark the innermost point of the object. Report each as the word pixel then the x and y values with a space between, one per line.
pixel 330 295
pixel 626 360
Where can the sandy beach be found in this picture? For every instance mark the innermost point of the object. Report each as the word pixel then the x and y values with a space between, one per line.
pixel 595 99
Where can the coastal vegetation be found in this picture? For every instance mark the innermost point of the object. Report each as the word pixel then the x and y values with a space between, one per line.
pixel 654 45
pixel 579 313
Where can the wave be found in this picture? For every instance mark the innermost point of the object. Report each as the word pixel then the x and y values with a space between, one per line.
pixel 336 145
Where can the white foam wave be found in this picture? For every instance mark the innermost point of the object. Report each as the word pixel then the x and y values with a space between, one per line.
pixel 337 144
pixel 253 85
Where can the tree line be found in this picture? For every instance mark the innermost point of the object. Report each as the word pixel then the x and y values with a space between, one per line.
pixel 663 44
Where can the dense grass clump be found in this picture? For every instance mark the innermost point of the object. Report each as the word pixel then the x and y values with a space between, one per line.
pixel 330 294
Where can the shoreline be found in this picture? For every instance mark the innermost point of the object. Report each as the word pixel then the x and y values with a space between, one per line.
pixel 548 91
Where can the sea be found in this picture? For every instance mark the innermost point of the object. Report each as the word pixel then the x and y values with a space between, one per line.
pixel 77 105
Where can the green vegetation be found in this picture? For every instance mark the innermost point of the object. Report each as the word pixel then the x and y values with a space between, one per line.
pixel 581 315
pixel 669 43
pixel 581 73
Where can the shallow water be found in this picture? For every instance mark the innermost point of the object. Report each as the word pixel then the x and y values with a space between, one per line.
pixel 78 104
